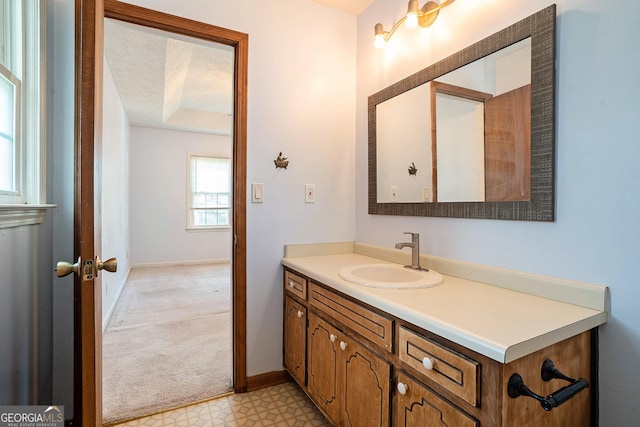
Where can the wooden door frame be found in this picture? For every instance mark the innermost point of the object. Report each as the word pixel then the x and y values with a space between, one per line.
pixel 89 21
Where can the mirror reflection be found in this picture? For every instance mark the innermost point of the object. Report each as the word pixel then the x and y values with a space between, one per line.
pixel 463 137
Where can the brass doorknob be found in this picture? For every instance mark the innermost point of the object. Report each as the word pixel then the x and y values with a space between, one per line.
pixel 64 268
pixel 88 270
pixel 110 265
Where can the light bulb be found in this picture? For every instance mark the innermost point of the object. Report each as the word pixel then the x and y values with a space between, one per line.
pixel 379 40
pixel 412 20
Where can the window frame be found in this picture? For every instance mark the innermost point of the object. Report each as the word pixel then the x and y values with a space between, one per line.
pixel 190 208
pixel 27 18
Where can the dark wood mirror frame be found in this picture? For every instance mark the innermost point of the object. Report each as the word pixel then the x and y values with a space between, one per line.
pixel 541 28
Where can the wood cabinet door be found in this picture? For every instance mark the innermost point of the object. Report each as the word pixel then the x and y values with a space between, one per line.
pixel 366 383
pixel 295 339
pixel 507 136
pixel 420 407
pixel 323 363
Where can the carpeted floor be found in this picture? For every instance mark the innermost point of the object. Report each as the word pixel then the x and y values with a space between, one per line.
pixel 168 340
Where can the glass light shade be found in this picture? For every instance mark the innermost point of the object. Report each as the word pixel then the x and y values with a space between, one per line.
pixel 412 20
pixel 379 40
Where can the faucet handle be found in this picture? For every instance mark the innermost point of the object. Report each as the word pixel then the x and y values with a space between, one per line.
pixel 414 236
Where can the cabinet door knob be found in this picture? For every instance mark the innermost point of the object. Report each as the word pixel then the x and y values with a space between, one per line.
pixel 343 345
pixel 427 363
pixel 299 313
pixel 403 388
pixel 332 337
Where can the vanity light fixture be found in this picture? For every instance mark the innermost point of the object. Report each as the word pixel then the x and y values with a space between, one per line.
pixel 424 17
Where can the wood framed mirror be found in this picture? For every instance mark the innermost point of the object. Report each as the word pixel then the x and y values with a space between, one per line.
pixel 499 164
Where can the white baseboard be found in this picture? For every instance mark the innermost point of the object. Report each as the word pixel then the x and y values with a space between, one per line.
pixel 105 322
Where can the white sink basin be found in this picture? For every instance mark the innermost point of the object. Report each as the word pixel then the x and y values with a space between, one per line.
pixel 391 276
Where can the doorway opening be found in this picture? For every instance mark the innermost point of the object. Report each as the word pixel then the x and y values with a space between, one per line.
pixel 87 389
pixel 168 342
pixel 178 102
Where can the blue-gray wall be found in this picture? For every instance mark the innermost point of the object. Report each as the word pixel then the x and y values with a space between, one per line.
pixel 25 314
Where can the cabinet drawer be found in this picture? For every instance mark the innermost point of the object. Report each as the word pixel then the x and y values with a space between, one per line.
pixel 418 406
pixel 371 325
pixel 451 370
pixel 295 284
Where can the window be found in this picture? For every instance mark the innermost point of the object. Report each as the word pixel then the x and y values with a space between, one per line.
pixel 209 192
pixel 9 125
pixel 22 53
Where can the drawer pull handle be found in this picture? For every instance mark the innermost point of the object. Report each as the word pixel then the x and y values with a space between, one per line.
pixel 427 363
pixel 516 387
pixel 332 338
pixel 343 345
pixel 292 284
pixel 403 388
pixel 299 313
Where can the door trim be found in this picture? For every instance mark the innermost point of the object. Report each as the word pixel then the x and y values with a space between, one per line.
pixel 87 394
pixel 240 42
pixel 89 21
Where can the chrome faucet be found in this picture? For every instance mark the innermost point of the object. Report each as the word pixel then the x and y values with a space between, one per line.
pixel 415 250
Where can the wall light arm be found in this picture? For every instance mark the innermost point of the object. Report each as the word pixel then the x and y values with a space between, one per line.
pixel 427 15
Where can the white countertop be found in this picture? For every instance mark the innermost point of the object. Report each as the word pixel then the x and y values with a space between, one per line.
pixel 498 322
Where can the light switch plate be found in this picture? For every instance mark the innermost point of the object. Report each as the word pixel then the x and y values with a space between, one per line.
pixel 426 194
pixel 257 192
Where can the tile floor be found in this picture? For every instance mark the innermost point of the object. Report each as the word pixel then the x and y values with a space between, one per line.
pixel 284 405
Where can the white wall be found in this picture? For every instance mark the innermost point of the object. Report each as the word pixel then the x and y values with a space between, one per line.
pixel 460 155
pixel 596 235
pixel 159 181
pixel 301 102
pixel 403 139
pixel 115 192
pixel 304 106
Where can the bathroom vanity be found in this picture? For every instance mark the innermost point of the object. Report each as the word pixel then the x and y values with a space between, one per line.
pixel 452 354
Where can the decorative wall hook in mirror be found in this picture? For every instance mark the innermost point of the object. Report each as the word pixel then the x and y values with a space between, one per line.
pixel 480 126
pixel 281 162
pixel 416 16
pixel 412 169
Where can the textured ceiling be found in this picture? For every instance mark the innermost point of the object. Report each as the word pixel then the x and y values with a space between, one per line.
pixel 175 82
pixel 170 81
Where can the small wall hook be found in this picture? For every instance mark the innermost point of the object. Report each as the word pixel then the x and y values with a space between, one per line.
pixel 281 162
